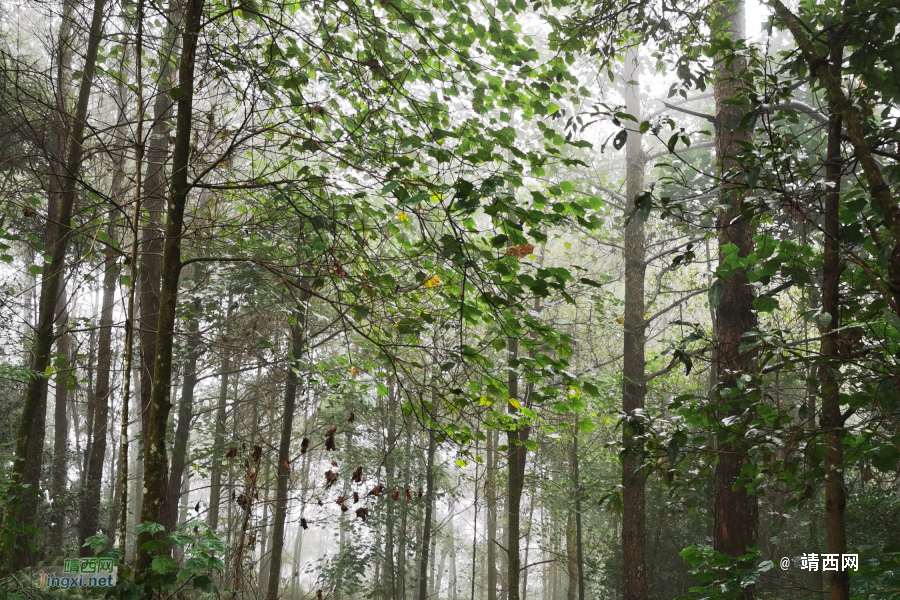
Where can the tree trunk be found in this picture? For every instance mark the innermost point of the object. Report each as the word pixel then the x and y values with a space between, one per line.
pixel 298 347
pixel 634 386
pixel 58 478
pixel 26 468
pixel 829 372
pixel 154 202
pixel 429 511
pixel 389 574
pixel 90 509
pixel 154 507
pixel 215 480
pixel 185 416
pixel 576 480
pixel 490 494
pixel 735 511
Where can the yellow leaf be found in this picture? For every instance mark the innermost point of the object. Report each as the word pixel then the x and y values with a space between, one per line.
pixel 49 370
pixel 402 216
pixel 433 282
pixel 515 403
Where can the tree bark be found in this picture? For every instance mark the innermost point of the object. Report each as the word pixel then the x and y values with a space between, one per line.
pixel 735 510
pixel 154 507
pixel 58 478
pixel 298 347
pixel 634 385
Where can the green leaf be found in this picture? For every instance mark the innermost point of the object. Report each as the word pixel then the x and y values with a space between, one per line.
pixel 35 270
pixel 586 426
pixel 150 527
pixel 715 293
pixel 163 564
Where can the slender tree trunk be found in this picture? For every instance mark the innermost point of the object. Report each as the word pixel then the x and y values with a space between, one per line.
pixel 571 557
pixel 829 372
pixel 576 480
pixel 185 416
pixel 90 509
pixel 735 511
pixel 515 455
pixel 490 493
pixel 429 511
pixel 634 386
pixel 58 237
pixel 215 485
pixel 154 507
pixel 298 347
pixel 58 478
pixel 154 203
pixel 390 588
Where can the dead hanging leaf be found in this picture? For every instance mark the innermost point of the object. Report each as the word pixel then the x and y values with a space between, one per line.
pixel 330 478
pixel 520 251
pixel 420 491
pixel 340 500
pixel 304 524
pixel 408 494
pixel 357 475
pixel 354 371
pixel 318 594
pixel 232 452
pixel 320 501
pixel 257 454
pixel 287 466
pixel 339 270
pixel 351 417
pixel 362 512
pixel 252 541
pixel 355 497
pixel 376 491
pixel 395 495
pixel 329 443
pixel 334 463
pixel 331 431
pixel 243 502
pixel 247 465
pixel 197 507
pixel 304 445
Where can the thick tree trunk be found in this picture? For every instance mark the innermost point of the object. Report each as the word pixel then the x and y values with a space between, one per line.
pixel 57 239
pixel 735 511
pixel 298 347
pixel 515 455
pixel 634 386
pixel 154 507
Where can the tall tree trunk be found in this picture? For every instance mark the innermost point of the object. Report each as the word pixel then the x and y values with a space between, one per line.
pixel 154 507
pixel 579 549
pixel 571 556
pixel 185 416
pixel 735 511
pixel 390 576
pixel 57 239
pixel 154 202
pixel 298 347
pixel 58 478
pixel 515 456
pixel 634 386
pixel 490 493
pixel 88 523
pixel 829 372
pixel 429 511
pixel 215 480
